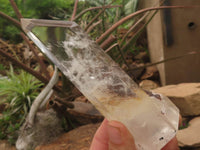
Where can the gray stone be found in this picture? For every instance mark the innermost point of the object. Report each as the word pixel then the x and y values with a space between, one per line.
pixel 148 85
pixel 185 96
pixel 77 139
pixel 190 136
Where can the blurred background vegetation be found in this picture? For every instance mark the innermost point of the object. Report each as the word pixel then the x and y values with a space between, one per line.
pixel 62 10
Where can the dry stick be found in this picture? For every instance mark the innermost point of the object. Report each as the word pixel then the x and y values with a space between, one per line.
pixel 94 8
pixel 43 68
pixel 138 32
pixel 14 21
pixel 64 102
pixel 102 11
pixel 91 22
pixel 121 53
pixel 93 26
pixel 111 47
pixel 133 27
pixel 13 4
pixel 37 102
pixel 74 10
pixel 110 30
pixel 165 60
pixel 19 16
pixel 122 56
pixel 10 48
pixel 26 68
pixel 140 20
pixel 105 44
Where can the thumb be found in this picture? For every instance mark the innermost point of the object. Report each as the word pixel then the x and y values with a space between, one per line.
pixel 119 137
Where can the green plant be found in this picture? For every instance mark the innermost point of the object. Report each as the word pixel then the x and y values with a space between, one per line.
pixel 50 9
pixel 19 91
pixel 2 67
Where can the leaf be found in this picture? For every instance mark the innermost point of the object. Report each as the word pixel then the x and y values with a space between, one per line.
pixel 130 6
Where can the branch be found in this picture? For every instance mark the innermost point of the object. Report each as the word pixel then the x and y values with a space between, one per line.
pixel 10 48
pixel 91 22
pixel 37 102
pixel 14 21
pixel 165 60
pixel 74 10
pixel 138 32
pixel 133 27
pixel 108 42
pixel 111 47
pixel 93 26
pixel 94 8
pixel 42 65
pixel 13 4
pixel 110 30
pixel 19 16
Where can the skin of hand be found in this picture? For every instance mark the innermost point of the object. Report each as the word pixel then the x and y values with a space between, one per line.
pixel 113 135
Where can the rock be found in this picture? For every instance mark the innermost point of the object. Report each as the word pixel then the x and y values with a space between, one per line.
pixel 190 136
pixel 148 85
pixel 4 145
pixel 46 128
pixel 142 56
pixel 151 73
pixel 81 99
pixel 77 139
pixel 84 113
pixel 136 72
pixel 185 96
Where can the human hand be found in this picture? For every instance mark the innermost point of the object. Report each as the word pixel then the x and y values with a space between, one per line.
pixel 113 135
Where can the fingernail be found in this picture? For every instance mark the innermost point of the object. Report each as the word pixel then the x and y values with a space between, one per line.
pixel 114 134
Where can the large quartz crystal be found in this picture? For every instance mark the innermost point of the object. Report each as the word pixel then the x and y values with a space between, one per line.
pixel 151 118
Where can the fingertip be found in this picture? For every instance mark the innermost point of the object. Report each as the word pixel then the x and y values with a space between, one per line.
pixel 119 137
pixel 100 140
pixel 172 145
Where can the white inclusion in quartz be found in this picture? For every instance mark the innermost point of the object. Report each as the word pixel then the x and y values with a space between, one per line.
pixel 114 93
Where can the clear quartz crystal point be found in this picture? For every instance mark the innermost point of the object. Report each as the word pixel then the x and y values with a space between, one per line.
pixel 151 118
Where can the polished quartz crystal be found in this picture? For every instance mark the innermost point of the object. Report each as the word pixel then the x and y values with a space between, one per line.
pixel 151 118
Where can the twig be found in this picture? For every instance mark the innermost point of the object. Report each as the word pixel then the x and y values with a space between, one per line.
pixel 140 20
pixel 122 56
pixel 165 60
pixel 94 8
pixel 110 30
pixel 121 53
pixel 13 4
pixel 10 48
pixel 108 42
pixel 138 32
pixel 37 102
pixel 133 27
pixel 14 21
pixel 64 102
pixel 74 10
pixel 102 11
pixel 93 26
pixel 19 16
pixel 91 22
pixel 42 65
pixel 111 47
